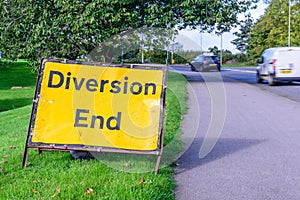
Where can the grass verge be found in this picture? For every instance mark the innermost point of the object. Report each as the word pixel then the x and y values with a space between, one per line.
pixel 56 175
pixel 17 85
pixel 238 65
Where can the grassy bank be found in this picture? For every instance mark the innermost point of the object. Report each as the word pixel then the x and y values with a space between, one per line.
pixel 17 85
pixel 56 175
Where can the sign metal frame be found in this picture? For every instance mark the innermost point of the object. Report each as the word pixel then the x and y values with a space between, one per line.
pixel 68 147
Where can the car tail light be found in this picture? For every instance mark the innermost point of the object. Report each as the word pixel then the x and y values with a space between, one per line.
pixel 274 64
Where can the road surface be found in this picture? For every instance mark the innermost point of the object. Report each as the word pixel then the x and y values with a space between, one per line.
pixel 257 134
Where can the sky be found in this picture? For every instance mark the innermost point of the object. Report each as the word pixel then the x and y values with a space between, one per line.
pixel 191 40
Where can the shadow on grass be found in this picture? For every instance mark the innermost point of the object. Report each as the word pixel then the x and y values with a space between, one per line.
pixel 8 104
pixel 16 74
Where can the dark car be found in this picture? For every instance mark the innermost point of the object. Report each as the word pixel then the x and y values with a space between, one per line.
pixel 205 62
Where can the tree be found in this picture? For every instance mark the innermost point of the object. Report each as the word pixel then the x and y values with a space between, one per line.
pixel 242 36
pixel 271 30
pixel 34 29
pixel 226 54
pixel 215 50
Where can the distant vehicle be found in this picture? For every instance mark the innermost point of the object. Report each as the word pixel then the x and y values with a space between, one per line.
pixel 205 62
pixel 279 64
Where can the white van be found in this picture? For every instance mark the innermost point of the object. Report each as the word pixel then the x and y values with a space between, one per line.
pixel 279 64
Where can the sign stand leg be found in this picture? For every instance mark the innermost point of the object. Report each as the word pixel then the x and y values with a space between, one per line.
pixel 159 156
pixel 161 143
pixel 157 164
pixel 40 151
pixel 25 157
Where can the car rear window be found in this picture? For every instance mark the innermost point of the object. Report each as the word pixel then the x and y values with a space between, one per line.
pixel 209 58
pixel 214 57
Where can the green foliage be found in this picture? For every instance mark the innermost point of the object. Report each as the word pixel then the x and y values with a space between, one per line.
pixel 189 55
pixel 241 58
pixel 160 56
pixel 210 14
pixel 226 54
pixel 271 30
pixel 156 56
pixel 127 46
pixel 68 28
pixel 243 34
pixel 215 50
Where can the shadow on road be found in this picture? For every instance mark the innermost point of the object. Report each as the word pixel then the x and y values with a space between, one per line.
pixel 224 147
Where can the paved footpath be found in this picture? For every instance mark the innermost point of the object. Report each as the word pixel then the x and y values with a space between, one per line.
pixel 257 155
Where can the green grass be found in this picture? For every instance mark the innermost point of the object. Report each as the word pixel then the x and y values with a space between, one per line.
pixel 238 65
pixel 56 175
pixel 20 77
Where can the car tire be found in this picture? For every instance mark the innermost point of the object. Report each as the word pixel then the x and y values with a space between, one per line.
pixel 258 78
pixel 271 80
pixel 202 69
pixel 193 68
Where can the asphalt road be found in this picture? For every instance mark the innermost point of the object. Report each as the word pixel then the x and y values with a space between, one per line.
pixel 248 75
pixel 254 130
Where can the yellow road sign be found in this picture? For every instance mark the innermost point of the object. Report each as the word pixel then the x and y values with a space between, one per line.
pixel 82 104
